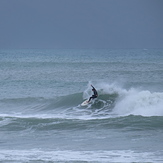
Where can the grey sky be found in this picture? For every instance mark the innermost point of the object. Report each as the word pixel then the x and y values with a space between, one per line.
pixel 81 23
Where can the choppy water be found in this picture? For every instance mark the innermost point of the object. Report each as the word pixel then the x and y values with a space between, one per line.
pixel 41 119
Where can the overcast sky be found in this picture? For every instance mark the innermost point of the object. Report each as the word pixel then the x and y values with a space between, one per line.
pixel 81 23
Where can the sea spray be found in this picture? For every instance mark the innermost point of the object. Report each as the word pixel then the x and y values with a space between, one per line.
pixel 138 102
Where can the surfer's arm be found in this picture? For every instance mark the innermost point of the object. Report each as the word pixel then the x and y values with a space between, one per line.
pixel 94 91
pixel 92 86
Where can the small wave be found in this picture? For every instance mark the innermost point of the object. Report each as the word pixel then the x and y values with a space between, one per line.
pixel 36 155
pixel 45 123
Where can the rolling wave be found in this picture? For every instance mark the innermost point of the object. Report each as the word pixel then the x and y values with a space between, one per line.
pixel 112 100
pixel 30 124
pixel 114 108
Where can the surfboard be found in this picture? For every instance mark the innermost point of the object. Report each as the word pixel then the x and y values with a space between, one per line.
pixel 85 103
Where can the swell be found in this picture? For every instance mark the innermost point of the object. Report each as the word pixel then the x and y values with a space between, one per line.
pixel 114 108
pixel 129 123
pixel 46 104
pixel 57 66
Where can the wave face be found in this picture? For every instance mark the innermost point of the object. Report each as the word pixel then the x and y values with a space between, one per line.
pixel 114 106
pixel 41 119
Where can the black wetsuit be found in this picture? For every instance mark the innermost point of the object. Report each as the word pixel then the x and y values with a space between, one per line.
pixel 95 94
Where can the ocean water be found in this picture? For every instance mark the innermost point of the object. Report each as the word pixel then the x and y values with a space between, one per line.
pixel 42 121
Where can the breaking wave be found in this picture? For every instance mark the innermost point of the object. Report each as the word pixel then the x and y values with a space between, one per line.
pixel 114 108
pixel 112 101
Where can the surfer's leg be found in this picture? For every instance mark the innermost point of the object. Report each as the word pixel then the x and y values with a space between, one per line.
pixel 90 98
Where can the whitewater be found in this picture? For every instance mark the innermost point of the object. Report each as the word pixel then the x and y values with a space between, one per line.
pixel 41 119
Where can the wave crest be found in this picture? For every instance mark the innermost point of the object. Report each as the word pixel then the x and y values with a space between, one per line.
pixel 144 103
pixel 112 101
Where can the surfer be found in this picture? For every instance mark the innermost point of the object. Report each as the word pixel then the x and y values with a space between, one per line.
pixel 95 94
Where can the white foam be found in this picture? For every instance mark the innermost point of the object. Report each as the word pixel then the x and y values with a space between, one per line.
pixel 142 103
pixel 68 155
pixel 127 102
pixel 132 101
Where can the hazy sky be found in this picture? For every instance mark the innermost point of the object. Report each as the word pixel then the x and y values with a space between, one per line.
pixel 81 23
